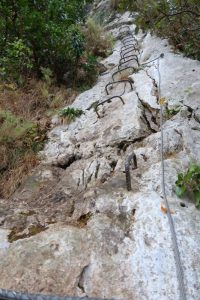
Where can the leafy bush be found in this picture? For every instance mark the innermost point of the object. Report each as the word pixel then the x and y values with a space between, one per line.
pixel 177 20
pixel 88 72
pixel 17 60
pixel 70 113
pixel 47 28
pixel 189 182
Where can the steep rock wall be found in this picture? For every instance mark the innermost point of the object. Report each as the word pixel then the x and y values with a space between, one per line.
pixel 99 239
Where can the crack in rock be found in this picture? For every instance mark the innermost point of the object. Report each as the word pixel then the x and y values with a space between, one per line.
pixel 148 116
pixel 81 279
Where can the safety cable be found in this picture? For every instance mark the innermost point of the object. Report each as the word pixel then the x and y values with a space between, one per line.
pixel 11 295
pixel 177 257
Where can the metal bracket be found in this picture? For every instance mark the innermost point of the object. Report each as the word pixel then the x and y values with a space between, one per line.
pixel 132 55
pixel 135 59
pixel 119 71
pixel 115 82
pixel 130 158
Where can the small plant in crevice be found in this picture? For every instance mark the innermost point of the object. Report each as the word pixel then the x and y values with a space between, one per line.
pixel 189 182
pixel 70 113
pixel 170 112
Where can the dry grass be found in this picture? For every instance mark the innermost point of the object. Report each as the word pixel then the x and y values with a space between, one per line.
pixel 97 41
pixel 33 101
pixel 24 120
pixel 11 178
pixel 114 4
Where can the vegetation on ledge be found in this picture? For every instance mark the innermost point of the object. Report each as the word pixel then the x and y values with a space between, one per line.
pixel 177 20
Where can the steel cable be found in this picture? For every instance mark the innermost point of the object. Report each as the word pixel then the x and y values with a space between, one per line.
pixel 11 295
pixel 177 257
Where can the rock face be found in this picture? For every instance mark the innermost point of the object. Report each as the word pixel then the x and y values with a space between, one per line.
pixel 73 228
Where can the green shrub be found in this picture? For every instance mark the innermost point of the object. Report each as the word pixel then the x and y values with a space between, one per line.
pixel 70 113
pixel 177 20
pixel 189 182
pixel 16 62
pixel 47 28
pixel 90 71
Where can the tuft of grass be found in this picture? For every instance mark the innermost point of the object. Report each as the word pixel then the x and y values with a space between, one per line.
pixel 170 112
pixel 70 113
pixel 12 128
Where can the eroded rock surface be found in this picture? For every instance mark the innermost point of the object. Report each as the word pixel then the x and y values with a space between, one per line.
pixel 73 228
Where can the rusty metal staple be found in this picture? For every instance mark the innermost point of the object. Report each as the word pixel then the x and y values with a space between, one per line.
pixel 130 158
pixel 129 56
pixel 128 52
pixel 109 100
pixel 128 46
pixel 115 82
pixel 113 75
pixel 123 27
pixel 128 37
pixel 129 41
pixel 131 59
pixel 119 71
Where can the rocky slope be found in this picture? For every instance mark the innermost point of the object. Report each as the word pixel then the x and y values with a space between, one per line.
pixel 73 228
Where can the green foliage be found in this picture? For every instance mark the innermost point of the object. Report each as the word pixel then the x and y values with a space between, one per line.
pixel 44 31
pixel 47 75
pixel 12 128
pixel 90 71
pixel 170 112
pixel 17 60
pixel 18 133
pixel 189 182
pixel 177 20
pixel 70 113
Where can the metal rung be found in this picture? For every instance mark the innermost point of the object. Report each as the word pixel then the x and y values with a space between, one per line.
pixel 130 158
pixel 127 47
pixel 115 82
pixel 132 55
pixel 132 59
pixel 123 27
pixel 122 71
pixel 129 51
